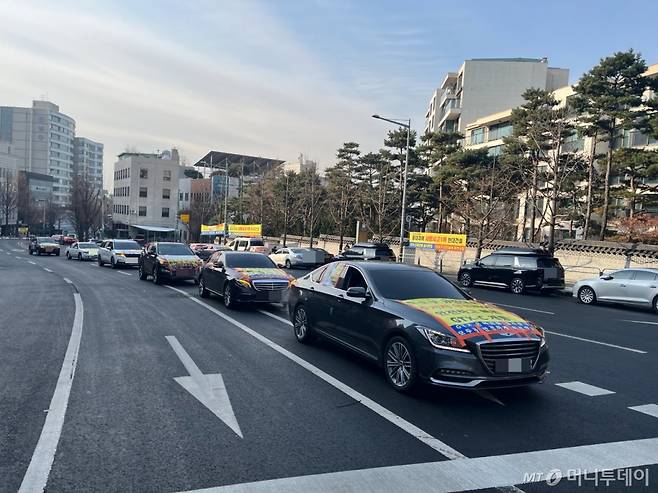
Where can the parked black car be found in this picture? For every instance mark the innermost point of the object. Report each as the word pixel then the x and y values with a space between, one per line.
pixel 241 277
pixel 417 326
pixel 515 268
pixel 168 260
pixel 368 251
pixel 43 245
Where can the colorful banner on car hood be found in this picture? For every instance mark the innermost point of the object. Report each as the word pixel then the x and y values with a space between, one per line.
pixel 470 318
pixel 261 272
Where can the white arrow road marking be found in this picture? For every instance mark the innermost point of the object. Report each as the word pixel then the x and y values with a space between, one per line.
pixel 47 269
pixel 208 389
pixel 585 388
pixel 30 262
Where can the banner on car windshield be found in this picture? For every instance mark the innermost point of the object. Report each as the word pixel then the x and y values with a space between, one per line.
pixel 438 241
pixel 233 229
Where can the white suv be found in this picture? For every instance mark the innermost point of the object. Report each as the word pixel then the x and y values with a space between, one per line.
pixel 248 245
pixel 119 253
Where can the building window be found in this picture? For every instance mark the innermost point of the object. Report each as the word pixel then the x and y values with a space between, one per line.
pixel 142 210
pixel 166 193
pixel 143 192
pixel 187 196
pixel 500 131
pixel 143 173
pixel 180 196
pixel 167 175
pixel 165 212
pixel 477 136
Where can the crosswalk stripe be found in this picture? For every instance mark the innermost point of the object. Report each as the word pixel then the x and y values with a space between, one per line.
pixel 584 388
pixel 650 409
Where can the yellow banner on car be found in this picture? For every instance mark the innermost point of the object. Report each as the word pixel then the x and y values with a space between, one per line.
pixel 438 241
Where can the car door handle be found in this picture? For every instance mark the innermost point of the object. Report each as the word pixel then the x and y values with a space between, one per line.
pixel 652 287
pixel 622 285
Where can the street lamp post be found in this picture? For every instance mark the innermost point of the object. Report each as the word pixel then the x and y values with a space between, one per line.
pixel 405 124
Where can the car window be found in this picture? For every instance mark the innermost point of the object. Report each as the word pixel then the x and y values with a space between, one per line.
pixel 84 245
pixel 242 244
pixel 75 245
pixel 504 260
pixel 352 278
pixel 127 245
pixel 488 261
pixel 174 249
pixel 397 284
pixel 623 274
pixel 317 274
pixel 334 274
pixel 256 243
pixel 354 251
pixel 644 275
pixel 283 251
pixel 525 262
pixel 548 262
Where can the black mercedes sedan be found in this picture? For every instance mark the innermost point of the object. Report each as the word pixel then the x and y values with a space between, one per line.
pixel 243 277
pixel 418 326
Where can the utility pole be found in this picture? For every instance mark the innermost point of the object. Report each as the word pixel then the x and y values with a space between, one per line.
pixel 226 203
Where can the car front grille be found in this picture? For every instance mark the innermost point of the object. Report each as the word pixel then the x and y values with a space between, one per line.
pixel 492 351
pixel 131 255
pixel 270 284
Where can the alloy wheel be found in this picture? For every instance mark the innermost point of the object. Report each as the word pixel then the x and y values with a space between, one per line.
pixel 465 280
pixel 398 364
pixel 300 324
pixel 586 295
pixel 517 285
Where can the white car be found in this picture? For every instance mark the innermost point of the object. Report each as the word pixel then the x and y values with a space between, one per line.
pixel 119 253
pixel 628 286
pixel 292 258
pixel 248 245
pixel 83 250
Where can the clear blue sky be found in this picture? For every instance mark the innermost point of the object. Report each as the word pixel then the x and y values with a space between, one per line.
pixel 281 77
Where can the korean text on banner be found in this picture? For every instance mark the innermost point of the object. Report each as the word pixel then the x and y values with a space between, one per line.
pixel 245 229
pixel 440 241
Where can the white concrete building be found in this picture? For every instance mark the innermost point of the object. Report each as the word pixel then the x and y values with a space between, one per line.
pixel 300 165
pixel 483 86
pixel 88 159
pixel 145 193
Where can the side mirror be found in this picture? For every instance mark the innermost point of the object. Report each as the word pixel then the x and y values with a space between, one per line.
pixel 357 292
pixel 606 277
pixel 219 264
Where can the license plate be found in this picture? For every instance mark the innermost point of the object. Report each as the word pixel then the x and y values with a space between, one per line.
pixel 513 365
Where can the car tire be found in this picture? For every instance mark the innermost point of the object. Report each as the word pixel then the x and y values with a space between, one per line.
pixel 654 304
pixel 100 261
pixel 465 279
pixel 587 296
pixel 517 285
pixel 228 296
pixel 113 263
pixel 301 327
pixel 400 367
pixel 288 264
pixel 203 292
pixel 79 257
pixel 142 274
pixel 156 275
pixel 68 256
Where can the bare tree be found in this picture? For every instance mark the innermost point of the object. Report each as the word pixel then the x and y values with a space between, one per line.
pixel 8 198
pixel 86 205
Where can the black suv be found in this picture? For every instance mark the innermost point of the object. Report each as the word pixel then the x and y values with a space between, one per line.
pixel 368 251
pixel 515 268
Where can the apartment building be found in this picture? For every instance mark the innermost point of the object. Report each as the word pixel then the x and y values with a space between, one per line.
pixel 88 160
pixel 489 132
pixel 43 140
pixel 145 195
pixel 483 86
pixel 300 165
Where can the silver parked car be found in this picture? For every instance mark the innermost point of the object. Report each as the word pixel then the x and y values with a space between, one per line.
pixel 631 286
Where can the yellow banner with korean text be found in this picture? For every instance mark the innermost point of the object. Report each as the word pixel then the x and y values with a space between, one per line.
pixel 438 241
pixel 233 229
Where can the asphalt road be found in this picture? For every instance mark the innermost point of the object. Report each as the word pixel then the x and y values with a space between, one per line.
pixel 141 407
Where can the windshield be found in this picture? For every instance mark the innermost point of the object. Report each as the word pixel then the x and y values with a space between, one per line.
pixel 298 250
pixel 45 239
pixel 86 245
pixel 396 284
pixel 247 260
pixel 126 245
pixel 257 243
pixel 174 249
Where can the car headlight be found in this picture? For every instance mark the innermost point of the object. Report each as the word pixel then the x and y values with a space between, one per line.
pixel 121 254
pixel 243 283
pixel 440 340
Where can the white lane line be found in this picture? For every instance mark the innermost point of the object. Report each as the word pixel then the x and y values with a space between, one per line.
pixel 276 317
pixel 401 423
pixel 522 308
pixel 36 476
pixel 468 474
pixel 47 269
pixel 595 342
pixel 67 280
pixel 124 273
pixel 650 409
pixel 30 262
pixel 18 257
pixel 640 322
pixel 584 388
